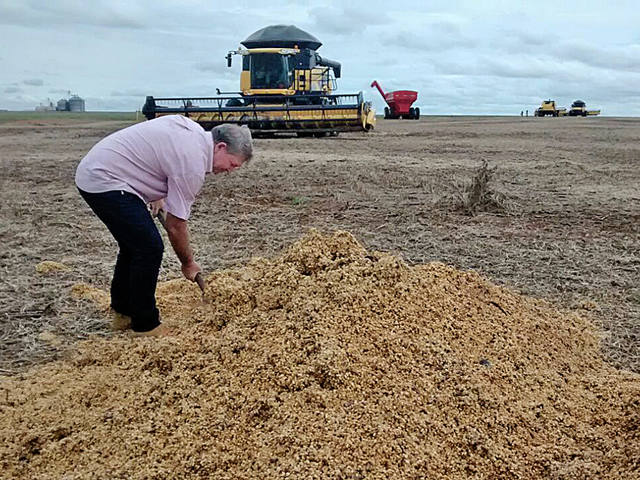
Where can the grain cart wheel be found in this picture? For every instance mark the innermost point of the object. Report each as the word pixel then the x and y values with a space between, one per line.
pixel 412 113
pixel 417 113
pixel 387 112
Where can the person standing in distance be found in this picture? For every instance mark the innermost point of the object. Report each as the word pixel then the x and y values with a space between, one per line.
pixel 149 166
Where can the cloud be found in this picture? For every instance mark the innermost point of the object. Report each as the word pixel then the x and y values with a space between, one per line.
pixel 215 67
pixel 520 42
pixel 435 37
pixel 101 13
pixel 463 57
pixel 533 38
pixel 520 67
pixel 188 18
pixel 576 53
pixel 34 82
pixel 345 20
pixel 129 93
pixel 20 101
pixel 219 75
pixel 625 57
pixel 12 90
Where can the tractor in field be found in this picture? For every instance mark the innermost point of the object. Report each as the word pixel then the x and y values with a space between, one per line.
pixel 399 103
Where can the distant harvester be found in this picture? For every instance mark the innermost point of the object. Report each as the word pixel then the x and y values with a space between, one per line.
pixel 549 107
pixel 578 109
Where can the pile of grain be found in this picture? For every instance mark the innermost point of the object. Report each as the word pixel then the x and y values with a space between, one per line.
pixel 84 291
pixel 48 266
pixel 332 362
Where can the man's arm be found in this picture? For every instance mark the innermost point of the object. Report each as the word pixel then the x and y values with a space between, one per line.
pixel 178 232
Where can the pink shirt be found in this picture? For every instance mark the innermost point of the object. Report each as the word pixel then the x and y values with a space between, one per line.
pixel 166 157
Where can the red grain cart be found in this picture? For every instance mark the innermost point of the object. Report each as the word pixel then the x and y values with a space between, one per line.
pixel 399 103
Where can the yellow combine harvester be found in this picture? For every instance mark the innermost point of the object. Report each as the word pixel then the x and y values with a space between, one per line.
pixel 579 109
pixel 285 86
pixel 550 108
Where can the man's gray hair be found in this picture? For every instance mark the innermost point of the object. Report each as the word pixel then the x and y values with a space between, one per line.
pixel 237 138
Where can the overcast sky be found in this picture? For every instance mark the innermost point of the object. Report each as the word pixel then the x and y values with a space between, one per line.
pixel 463 57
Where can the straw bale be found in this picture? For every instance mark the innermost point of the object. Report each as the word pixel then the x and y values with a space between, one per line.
pixel 330 361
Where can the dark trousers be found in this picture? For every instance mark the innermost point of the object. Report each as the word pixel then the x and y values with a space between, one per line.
pixel 133 288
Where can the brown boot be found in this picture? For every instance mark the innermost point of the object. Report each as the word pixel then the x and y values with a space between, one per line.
pixel 120 322
pixel 160 331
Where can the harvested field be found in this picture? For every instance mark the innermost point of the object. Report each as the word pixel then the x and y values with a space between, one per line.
pixel 415 367
pixel 571 234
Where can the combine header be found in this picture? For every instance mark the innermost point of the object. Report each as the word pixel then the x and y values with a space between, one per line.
pixel 399 103
pixel 285 86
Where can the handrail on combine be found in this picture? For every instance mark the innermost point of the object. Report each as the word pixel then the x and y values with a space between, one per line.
pixel 285 102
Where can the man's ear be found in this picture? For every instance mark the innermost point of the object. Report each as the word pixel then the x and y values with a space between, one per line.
pixel 220 146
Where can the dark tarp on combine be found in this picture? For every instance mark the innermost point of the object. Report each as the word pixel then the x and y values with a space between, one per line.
pixel 282 36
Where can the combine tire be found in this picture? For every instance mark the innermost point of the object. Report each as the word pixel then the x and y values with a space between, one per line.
pixel 387 112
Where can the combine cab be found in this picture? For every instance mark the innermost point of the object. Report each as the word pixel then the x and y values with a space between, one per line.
pixel 285 86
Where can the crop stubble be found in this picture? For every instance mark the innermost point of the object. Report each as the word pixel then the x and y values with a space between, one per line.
pixel 572 237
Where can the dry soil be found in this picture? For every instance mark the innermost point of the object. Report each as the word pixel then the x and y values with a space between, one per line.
pixel 570 234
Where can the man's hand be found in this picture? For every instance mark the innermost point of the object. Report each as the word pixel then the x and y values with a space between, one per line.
pixel 179 237
pixel 156 206
pixel 190 270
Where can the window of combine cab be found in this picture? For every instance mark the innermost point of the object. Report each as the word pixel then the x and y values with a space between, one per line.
pixel 271 71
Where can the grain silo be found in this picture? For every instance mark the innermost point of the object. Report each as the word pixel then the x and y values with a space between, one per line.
pixel 76 104
pixel 62 105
